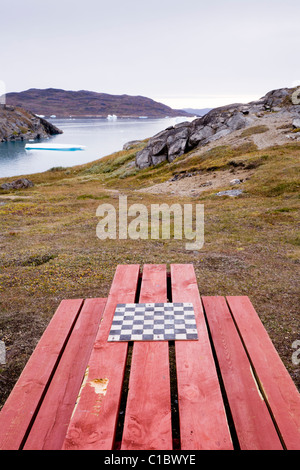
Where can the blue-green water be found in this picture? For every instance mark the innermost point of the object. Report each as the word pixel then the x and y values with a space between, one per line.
pixel 99 136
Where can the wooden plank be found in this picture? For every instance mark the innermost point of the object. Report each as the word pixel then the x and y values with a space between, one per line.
pixel 94 421
pixel 279 390
pixel 253 423
pixel 147 424
pixel 203 422
pixel 22 404
pixel 50 426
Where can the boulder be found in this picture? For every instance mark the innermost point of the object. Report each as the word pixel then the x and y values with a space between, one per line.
pixel 20 183
pixel 230 192
pixel 131 144
pixel 296 123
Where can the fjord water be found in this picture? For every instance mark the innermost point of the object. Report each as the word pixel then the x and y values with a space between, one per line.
pixel 100 137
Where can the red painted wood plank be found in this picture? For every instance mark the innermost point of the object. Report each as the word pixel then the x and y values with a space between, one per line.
pixel 20 407
pixel 147 424
pixel 279 389
pixel 94 421
pixel 203 422
pixel 253 423
pixel 50 426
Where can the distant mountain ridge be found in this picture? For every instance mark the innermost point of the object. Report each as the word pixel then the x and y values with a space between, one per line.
pixel 83 103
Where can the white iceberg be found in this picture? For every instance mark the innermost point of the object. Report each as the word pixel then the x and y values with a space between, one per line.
pixel 45 146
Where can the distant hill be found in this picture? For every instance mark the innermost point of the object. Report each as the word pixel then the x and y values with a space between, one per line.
pixel 197 112
pixel 62 103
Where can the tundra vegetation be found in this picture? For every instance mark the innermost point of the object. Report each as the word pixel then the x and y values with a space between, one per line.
pixel 50 251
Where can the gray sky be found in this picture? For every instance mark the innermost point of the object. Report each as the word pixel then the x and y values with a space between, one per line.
pixel 188 53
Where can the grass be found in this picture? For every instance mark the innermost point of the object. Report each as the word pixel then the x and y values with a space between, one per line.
pixel 254 130
pixel 50 251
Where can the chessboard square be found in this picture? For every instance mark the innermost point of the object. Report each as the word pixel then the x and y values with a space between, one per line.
pixel 179 321
pixel 169 331
pixel 168 308
pixel 124 337
pixel 138 316
pixel 119 311
pixel 180 335
pixel 159 317
pixel 158 331
pixel 149 314
pixel 128 322
pixel 188 309
pixel 191 331
pixel 117 322
pixel 138 322
pixel 136 337
pixel 148 322
pixel 150 305
pixel 179 330
pixel 158 337
pixel 190 321
pixel 159 321
pixel 114 338
pixel 137 331
pixel 147 337
pixel 115 330
pixel 169 316
pixel 148 328
pixel 191 336
pixel 169 336
pixel 178 316
pixel 126 331
pixel 180 327
pixel 128 315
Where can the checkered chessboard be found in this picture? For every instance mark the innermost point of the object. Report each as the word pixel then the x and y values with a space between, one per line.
pixel 153 322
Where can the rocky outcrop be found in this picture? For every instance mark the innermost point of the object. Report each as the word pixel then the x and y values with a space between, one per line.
pixel 21 183
pixel 175 141
pixel 18 124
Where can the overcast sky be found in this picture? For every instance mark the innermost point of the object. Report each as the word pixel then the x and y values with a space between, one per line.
pixel 188 53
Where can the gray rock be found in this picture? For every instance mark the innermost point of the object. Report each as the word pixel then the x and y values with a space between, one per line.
pixel 200 134
pixel 296 123
pixel 235 181
pixel 230 192
pixel 131 144
pixel 143 158
pixel 20 183
pixel 176 149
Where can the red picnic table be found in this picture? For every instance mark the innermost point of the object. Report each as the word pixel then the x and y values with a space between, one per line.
pixel 233 390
